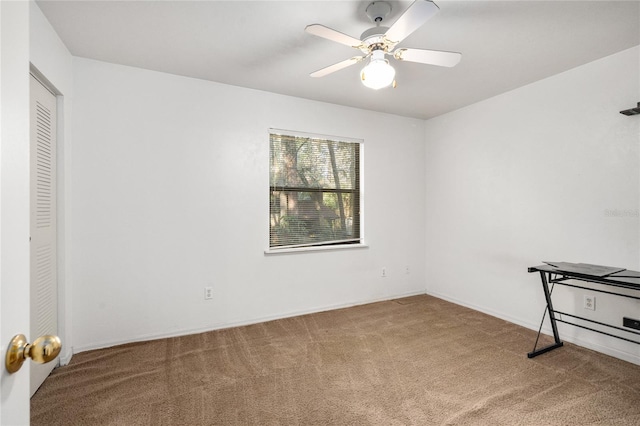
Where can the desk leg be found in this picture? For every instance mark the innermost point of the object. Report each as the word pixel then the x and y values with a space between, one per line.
pixel 552 319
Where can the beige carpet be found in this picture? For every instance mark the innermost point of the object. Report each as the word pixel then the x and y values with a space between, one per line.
pixel 413 361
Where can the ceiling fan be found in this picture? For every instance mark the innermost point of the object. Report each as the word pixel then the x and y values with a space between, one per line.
pixel 379 41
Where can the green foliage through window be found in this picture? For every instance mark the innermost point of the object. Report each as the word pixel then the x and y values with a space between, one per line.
pixel 314 187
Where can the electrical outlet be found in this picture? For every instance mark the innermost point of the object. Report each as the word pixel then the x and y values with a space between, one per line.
pixel 208 293
pixel 590 302
pixel 406 270
pixel 384 272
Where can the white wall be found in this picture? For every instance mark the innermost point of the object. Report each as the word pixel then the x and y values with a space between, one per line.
pixel 533 175
pixel 170 181
pixel 51 60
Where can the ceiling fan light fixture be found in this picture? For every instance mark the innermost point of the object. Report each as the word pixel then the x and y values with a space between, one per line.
pixel 378 73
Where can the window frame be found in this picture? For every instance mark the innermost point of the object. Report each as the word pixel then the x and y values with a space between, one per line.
pixel 356 242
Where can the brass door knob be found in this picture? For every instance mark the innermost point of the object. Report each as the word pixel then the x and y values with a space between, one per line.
pixel 42 350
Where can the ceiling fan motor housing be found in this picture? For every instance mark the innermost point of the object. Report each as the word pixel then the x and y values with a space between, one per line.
pixel 373 36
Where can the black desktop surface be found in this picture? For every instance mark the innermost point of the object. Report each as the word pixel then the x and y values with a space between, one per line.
pixel 612 275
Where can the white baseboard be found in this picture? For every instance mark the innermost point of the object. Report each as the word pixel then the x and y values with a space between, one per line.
pixel 625 356
pixel 65 358
pixel 187 331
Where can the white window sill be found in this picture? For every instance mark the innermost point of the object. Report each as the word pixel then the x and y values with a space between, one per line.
pixel 270 252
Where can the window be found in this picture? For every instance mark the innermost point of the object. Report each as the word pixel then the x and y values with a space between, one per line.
pixel 314 190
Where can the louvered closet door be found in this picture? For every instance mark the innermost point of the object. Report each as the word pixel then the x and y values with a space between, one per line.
pixel 44 286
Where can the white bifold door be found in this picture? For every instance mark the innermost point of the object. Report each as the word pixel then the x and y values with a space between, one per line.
pixel 44 286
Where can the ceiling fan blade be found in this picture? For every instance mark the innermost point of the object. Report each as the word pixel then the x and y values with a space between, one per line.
pixel 333 35
pixel 337 67
pixel 431 57
pixel 412 19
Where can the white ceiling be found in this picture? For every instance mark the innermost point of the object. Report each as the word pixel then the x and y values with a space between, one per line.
pixel 262 45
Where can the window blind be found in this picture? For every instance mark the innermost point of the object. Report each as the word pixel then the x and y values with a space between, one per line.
pixel 314 190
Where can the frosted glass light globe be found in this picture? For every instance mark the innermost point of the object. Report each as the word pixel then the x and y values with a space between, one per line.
pixel 378 73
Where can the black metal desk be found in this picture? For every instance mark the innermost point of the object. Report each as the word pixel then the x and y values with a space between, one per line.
pixel 553 273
